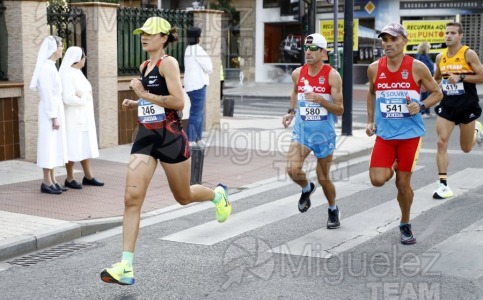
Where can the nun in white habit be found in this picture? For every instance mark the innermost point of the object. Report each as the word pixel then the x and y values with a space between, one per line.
pixel 51 144
pixel 79 117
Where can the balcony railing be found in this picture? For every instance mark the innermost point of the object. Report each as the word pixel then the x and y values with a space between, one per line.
pixel 130 54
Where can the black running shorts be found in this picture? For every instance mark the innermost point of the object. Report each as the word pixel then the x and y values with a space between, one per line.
pixel 165 144
pixel 463 114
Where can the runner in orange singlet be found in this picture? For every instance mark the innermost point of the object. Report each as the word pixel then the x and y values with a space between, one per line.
pixel 458 69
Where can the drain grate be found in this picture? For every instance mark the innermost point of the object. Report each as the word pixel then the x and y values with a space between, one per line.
pixel 49 254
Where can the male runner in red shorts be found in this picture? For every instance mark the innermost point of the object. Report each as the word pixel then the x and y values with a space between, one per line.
pixel 393 103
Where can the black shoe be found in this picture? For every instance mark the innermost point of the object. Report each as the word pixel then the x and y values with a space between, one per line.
pixel 92 181
pixel 49 189
pixel 61 188
pixel 73 184
pixel 304 201
pixel 407 237
pixel 334 219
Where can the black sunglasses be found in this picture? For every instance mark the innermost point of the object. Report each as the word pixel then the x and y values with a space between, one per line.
pixel 311 47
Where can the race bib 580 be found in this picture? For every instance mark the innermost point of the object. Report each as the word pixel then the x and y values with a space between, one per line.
pixel 310 111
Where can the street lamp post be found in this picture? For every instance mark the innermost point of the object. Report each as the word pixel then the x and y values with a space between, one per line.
pixel 347 69
pixel 336 33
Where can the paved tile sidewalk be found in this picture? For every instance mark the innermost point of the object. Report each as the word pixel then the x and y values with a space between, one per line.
pixel 246 152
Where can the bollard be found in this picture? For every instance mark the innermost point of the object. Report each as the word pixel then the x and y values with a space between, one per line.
pixel 228 107
pixel 197 157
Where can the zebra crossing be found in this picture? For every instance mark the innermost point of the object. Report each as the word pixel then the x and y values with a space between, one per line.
pixel 269 250
pixel 254 218
pixel 452 260
pixel 208 233
pixel 376 220
pixel 356 229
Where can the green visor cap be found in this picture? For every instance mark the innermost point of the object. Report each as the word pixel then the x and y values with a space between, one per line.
pixel 154 25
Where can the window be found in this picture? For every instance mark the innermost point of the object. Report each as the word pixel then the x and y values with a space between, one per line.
pixel 283 43
pixel 270 3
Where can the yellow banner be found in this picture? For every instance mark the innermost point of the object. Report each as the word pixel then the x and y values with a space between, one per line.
pixel 431 31
pixel 327 30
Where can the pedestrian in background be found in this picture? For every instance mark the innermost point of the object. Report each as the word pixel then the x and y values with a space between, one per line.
pixel 160 138
pixel 423 55
pixel 315 102
pixel 458 69
pixel 393 115
pixel 79 118
pixel 222 81
pixel 198 66
pixel 51 143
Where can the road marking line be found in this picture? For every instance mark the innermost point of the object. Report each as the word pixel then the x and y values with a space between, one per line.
pixel 210 233
pixel 355 230
pixel 459 255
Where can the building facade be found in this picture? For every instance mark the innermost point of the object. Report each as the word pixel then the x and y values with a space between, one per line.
pixel 253 40
pixel 23 26
pixel 279 31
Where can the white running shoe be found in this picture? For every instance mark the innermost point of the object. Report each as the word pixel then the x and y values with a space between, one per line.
pixel 203 144
pixel 443 192
pixel 479 133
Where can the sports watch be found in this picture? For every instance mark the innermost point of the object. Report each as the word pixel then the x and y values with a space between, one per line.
pixel 462 77
pixel 291 110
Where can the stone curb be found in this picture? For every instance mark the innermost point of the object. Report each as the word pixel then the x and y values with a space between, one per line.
pixel 69 231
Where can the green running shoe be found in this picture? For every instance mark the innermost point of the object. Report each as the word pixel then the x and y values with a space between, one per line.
pixel 119 273
pixel 479 133
pixel 223 208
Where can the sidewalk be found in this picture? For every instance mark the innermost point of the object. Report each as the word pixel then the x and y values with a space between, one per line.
pixel 280 90
pixel 246 152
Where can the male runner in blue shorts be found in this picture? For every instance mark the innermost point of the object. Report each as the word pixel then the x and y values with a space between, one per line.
pixel 315 102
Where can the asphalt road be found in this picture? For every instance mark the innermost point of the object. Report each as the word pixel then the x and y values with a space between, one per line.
pixel 268 250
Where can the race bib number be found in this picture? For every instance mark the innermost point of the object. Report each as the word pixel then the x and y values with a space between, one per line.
pixel 149 112
pixel 310 111
pixel 452 89
pixel 394 109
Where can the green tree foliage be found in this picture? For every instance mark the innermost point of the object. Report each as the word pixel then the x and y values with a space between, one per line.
pixel 105 1
pixel 225 5
pixel 58 3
